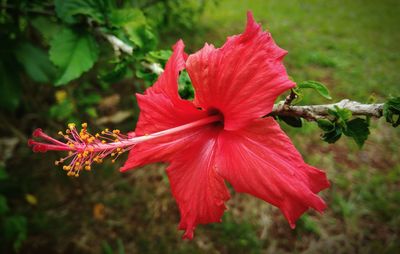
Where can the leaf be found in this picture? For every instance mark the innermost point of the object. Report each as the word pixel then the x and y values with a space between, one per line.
pixel 74 53
pixel 317 86
pixel 97 10
pixel 10 86
pixel 341 114
pixel 3 205
pixel 333 135
pixel 358 129
pixel 36 63
pixel 154 56
pixel 325 125
pixel 292 121
pixel 3 173
pixel 391 111
pixel 135 26
pixel 47 27
pixel 185 87
pixel 15 229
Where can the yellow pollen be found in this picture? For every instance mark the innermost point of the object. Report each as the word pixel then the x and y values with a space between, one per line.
pixel 116 140
pixel 56 163
pixel 77 163
pixel 70 153
pixel 71 126
pixel 87 168
pixel 103 141
pixel 68 131
pixel 112 154
pixel 91 149
pixel 60 133
pixel 84 125
pixel 113 160
pixel 116 131
pixel 71 145
pixel 97 135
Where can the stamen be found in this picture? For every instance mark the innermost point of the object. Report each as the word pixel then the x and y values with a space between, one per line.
pixel 84 148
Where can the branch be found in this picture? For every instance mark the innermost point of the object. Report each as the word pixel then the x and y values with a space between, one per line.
pixel 117 44
pixel 314 112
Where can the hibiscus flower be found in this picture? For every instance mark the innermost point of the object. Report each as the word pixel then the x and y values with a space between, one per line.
pixel 236 85
pixel 222 135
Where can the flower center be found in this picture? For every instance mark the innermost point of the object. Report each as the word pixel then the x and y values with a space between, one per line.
pixel 216 112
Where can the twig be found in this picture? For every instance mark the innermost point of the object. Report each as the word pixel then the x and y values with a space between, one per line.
pixel 314 112
pixel 117 44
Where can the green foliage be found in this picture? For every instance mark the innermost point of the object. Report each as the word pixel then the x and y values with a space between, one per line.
pixel 70 11
pixel 74 53
pixel 15 229
pixel 10 86
pixel 391 111
pixel 296 122
pixel 185 87
pixel 316 86
pixel 356 128
pixel 36 63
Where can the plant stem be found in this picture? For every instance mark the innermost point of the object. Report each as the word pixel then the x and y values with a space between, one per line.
pixel 314 112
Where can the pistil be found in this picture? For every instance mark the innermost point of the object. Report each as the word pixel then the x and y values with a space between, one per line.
pixel 84 148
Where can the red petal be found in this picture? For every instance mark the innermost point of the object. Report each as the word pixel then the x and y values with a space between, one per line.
pixel 262 161
pixel 198 189
pixel 242 79
pixel 161 109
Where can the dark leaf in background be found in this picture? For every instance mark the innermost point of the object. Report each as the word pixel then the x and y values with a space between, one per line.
pixel 36 63
pixel 391 111
pixel 358 129
pixel 185 87
pixel 73 53
pixel 97 10
pixel 47 27
pixel 10 86
pixel 15 230
pixel 292 121
pixel 3 205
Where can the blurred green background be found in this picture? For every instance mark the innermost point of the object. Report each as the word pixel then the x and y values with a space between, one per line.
pixel 57 66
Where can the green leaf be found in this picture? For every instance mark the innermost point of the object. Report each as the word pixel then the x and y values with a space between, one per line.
pixel 342 114
pixel 62 111
pixel 333 135
pixel 47 27
pixel 325 125
pixel 3 205
pixel 36 63
pixel 15 229
pixel 358 129
pixel 10 86
pixel 133 22
pixel 73 53
pixel 317 86
pixel 97 10
pixel 154 56
pixel 185 87
pixel 391 111
pixel 292 121
pixel 3 173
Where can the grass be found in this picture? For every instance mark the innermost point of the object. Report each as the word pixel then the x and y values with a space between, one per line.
pixel 352 47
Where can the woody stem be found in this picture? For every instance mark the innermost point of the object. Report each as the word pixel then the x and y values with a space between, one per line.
pixel 315 112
